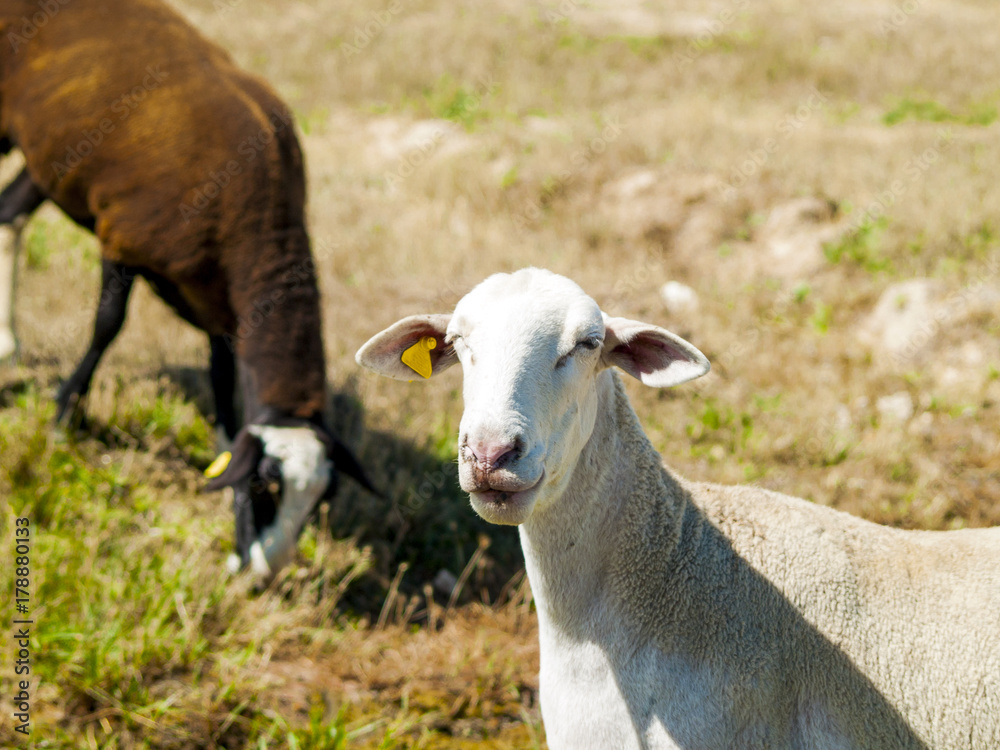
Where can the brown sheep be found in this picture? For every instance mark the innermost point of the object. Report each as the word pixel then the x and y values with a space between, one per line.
pixel 189 172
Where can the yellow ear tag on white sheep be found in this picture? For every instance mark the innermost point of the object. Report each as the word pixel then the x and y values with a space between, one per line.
pixel 418 356
pixel 218 465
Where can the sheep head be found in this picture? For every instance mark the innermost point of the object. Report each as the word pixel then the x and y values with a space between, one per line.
pixel 279 472
pixel 531 345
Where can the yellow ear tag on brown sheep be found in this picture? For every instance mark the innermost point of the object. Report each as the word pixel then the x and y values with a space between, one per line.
pixel 418 356
pixel 218 465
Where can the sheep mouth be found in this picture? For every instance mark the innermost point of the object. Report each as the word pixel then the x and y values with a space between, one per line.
pixel 498 481
pixel 268 525
pixel 501 497
pixel 507 505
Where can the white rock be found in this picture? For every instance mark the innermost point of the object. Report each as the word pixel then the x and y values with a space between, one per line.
pixel 971 353
pixel 843 418
pixel 903 321
pixel 406 145
pixel 923 425
pixel 682 211
pixel 679 298
pixel 895 408
pixel 632 185
pixel 919 324
pixel 794 235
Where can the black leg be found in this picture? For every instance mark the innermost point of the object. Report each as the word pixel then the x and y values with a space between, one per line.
pixel 222 372
pixel 248 390
pixel 19 198
pixel 116 283
pixel 246 531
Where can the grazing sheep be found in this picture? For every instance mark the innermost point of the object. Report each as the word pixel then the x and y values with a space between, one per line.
pixel 189 172
pixel 675 614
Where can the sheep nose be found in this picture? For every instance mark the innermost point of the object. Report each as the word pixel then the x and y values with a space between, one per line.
pixel 492 455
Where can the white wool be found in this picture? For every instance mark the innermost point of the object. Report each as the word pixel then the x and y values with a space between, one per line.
pixel 9 245
pixel 306 472
pixel 681 615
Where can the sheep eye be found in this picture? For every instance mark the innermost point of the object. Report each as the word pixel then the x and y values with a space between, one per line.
pixel 458 345
pixel 588 344
pixel 268 477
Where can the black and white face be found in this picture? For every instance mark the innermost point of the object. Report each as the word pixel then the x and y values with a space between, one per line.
pixel 278 475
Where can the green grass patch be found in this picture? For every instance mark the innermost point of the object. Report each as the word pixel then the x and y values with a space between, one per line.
pixel 928 110
pixel 718 425
pixel 166 418
pixel 118 602
pixel 312 122
pixel 862 247
pixel 141 638
pixel 468 105
pixel 44 236
pixel 822 317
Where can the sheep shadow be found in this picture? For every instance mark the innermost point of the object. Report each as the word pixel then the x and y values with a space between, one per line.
pixel 11 388
pixel 755 644
pixel 421 520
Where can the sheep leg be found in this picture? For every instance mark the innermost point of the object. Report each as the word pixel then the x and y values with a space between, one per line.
pixel 248 389
pixel 116 284
pixel 17 201
pixel 222 372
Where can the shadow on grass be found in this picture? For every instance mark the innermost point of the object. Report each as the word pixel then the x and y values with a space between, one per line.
pixel 423 522
pixel 132 605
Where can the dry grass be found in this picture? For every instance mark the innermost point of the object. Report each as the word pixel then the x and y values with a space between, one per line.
pixel 623 144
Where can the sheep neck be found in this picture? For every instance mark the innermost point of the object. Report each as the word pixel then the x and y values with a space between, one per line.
pixel 279 340
pixel 578 549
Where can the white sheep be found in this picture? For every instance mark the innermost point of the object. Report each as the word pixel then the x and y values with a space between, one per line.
pixel 675 614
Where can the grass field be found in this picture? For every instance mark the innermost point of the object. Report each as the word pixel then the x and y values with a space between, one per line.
pixel 824 176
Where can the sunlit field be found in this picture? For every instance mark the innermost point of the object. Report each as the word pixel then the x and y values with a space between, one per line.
pixel 824 178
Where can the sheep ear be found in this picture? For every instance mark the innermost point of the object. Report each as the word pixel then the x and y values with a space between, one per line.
pixel 247 452
pixel 384 351
pixel 653 355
